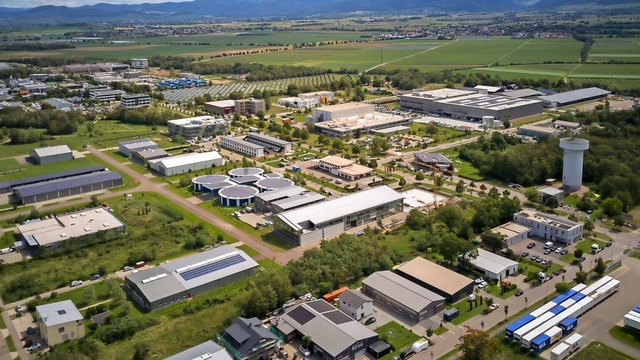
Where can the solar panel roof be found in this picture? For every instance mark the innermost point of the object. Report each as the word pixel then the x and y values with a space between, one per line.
pixel 301 315
pixel 575 95
pixel 321 306
pixel 337 317
pixel 66 183
pixel 211 267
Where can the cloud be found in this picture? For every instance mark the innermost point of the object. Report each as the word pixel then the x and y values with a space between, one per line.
pixel 73 3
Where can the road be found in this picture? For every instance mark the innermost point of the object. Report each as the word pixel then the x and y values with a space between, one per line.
pixel 4 351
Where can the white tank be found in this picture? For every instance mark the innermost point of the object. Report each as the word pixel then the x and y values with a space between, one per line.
pixel 574 149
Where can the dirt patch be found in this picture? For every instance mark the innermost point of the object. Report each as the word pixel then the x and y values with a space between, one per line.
pixel 160 73
pixel 220 81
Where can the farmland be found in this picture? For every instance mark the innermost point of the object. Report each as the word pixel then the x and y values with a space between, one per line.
pixel 615 49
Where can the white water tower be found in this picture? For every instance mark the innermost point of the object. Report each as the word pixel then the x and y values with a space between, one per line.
pixel 574 149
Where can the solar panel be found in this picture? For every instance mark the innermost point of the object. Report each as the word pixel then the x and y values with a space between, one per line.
pixel 320 306
pixel 301 315
pixel 46 187
pixel 58 175
pixel 337 317
pixel 212 267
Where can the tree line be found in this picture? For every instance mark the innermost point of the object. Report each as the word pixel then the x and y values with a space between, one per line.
pixel 143 116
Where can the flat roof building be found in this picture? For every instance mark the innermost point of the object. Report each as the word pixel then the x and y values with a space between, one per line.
pixel 68 186
pixel 59 104
pixel 103 95
pixel 139 63
pixel 549 227
pixel 250 106
pixel 134 101
pixel 548 192
pixel 208 350
pixel 333 333
pixel 537 132
pixel 129 146
pixel 222 107
pixel 182 164
pixel 344 168
pixel 60 228
pixel 242 146
pixel 402 295
pixel 432 161
pixel 331 218
pixel 574 97
pixel 197 127
pixel 494 266
pixel 183 278
pixel 285 199
pixel 363 123
pixel 270 143
pixel 444 282
pixel 51 154
pixel 332 112
pixel 59 321
pixel 469 105
pixel 9 185
pixel 513 232
pixel 145 155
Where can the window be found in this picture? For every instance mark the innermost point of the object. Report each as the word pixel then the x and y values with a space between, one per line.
pixel 62 312
pixel 61 330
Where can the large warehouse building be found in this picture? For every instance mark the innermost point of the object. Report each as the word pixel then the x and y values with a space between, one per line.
pixel 574 97
pixel 242 146
pixel 197 127
pixel 334 335
pixel 48 155
pixel 57 229
pixel 128 147
pixel 271 144
pixel 332 112
pixel 469 105
pixel 183 278
pixel 363 123
pixel 331 218
pixel 68 186
pixel 182 164
pixel 8 186
pixel 402 296
pixel 444 282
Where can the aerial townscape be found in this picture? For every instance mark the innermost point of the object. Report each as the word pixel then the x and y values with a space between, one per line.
pixel 334 180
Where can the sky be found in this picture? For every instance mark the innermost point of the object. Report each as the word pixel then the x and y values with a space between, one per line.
pixel 71 3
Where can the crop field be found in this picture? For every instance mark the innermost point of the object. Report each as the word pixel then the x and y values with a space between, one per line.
pixel 621 71
pixel 545 50
pixel 611 84
pixel 223 90
pixel 615 49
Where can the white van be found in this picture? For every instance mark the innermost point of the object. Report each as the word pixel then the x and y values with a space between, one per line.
pixel 548 244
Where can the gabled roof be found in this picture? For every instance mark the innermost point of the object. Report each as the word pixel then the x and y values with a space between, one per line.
pixel 208 350
pixel 52 150
pixel 186 159
pixel 428 157
pixel 245 334
pixel 491 262
pixel 575 95
pixel 410 294
pixel 354 298
pixel 435 275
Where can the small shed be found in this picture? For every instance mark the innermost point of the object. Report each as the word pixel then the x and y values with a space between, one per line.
pixel 450 314
pixel 379 349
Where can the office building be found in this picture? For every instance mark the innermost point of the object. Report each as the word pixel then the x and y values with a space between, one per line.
pixel 186 163
pixel 134 101
pixel 59 104
pixel 270 143
pixel 513 233
pixel 222 107
pixel 188 276
pixel 59 322
pixel 494 266
pixel 250 106
pixel 344 168
pixel 114 67
pixel 331 218
pixel 549 227
pixel 51 154
pixel 242 146
pixel 442 281
pixel 103 95
pixel 197 127
pixel 333 112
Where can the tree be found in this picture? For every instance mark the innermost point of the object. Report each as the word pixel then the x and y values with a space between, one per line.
pixel 531 195
pixel 578 253
pixel 552 202
pixel 94 200
pixel 89 295
pixel 477 345
pixel 460 187
pixel 562 287
pixel 450 247
pixel 506 311
pixel 600 267
pixel 142 350
pixel 493 240
pixel 588 225
pixel 419 176
pixel 618 221
pixel 429 332
pixel 307 342
pixel 612 206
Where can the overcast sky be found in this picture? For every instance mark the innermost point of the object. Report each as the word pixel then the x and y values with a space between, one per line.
pixel 35 3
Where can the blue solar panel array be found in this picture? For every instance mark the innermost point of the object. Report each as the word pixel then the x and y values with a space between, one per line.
pixel 66 183
pixel 212 267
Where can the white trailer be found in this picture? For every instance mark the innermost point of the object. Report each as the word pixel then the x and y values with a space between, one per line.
pixel 582 306
pixel 542 329
pixel 568 303
pixel 520 333
pixel 579 287
pixel 631 321
pixel 596 285
pixel 555 333
pixel 574 341
pixel 543 309
pixel 560 352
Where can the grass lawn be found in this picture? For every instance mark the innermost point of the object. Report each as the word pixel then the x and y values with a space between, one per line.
pixel 585 246
pixel 396 336
pixel 76 295
pixel 628 336
pixel 268 264
pixel 440 330
pixel 10 345
pixel 464 312
pixel 597 351
pixel 250 251
pixel 7 239
pixel 28 170
pixel 495 291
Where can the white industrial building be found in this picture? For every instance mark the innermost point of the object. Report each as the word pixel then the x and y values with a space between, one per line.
pixel 182 164
pixel 343 168
pixel 363 123
pixel 285 199
pixel 513 232
pixel 548 192
pixel 331 218
pixel 332 112
pixel 574 149
pixel 242 146
pixel 271 144
pixel 139 63
pixel 134 101
pixel 549 227
pixel 129 146
pixel 51 154
pixel 197 127
pixel 494 266
pixel 355 304
pixel 307 100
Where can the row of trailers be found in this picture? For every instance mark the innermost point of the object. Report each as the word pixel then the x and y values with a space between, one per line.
pixel 632 318
pixel 547 324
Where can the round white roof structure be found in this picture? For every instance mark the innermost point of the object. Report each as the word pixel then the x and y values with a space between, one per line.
pixel 246 171
pixel 575 144
pixel 237 192
pixel 273 183
pixel 209 179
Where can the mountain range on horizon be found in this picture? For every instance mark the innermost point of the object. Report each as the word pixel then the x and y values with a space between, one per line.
pixel 203 9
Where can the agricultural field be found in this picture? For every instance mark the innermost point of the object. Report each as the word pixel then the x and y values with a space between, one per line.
pixel 609 71
pixel 545 50
pixel 615 49
pixel 610 84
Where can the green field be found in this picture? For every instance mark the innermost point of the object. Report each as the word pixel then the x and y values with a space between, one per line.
pixel 627 335
pixel 397 336
pixel 29 169
pixel 615 49
pixel 598 351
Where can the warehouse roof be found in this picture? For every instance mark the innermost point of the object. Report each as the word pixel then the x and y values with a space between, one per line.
pixel 540 129
pixel 488 102
pixel 491 262
pixel 46 187
pixel 243 142
pixel 267 138
pixel 52 176
pixel 328 327
pixel 575 95
pixel 522 93
pixel 222 103
pixel 208 350
pixel 138 144
pixel 337 161
pixel 548 190
pixel 345 106
pixel 429 157
pixel 191 271
pixel 52 150
pixel 151 153
pixel 186 159
pixel 197 121
pixel 282 193
pixel 67 226
pixel 297 201
pixel 435 275
pixel 511 229
pixel 340 207
pixel 410 294
pixel 58 313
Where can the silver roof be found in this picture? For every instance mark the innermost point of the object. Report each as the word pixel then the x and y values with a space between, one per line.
pixel 282 193
pixel 173 283
pixel 238 192
pixel 52 150
pixel 575 95
pixel 296 201
pixel 58 313
pixel 267 138
pixel 491 262
pixel 242 142
pixel 187 159
pixel 354 298
pixel 548 190
pixel 274 183
pixel 341 207
pixel 404 291
pixel 429 157
pixel 208 350
pixel 138 144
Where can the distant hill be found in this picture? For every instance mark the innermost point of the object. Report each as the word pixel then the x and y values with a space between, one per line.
pixel 199 9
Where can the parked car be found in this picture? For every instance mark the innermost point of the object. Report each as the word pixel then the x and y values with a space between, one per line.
pixel 304 351
pixel 531 245
pixel 31 330
pixel 519 292
pixel 19 309
pixel 525 254
pixel 483 285
pixel 538 259
pixel 127 268
pixel 76 283
pixel 559 250
pixel 479 280
pixel 534 257
pixel 547 252
pixel 34 347
pixel 494 306
pixel 564 252
pixel 370 321
pixel 608 244
pixel 94 277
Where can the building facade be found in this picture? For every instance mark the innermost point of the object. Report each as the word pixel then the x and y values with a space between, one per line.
pixel 250 106
pixel 494 266
pixel 270 143
pixel 59 322
pixel 242 146
pixel 134 101
pixel 48 155
pixel 139 63
pixel 197 127
pixel 344 168
pixel 549 227
pixel 222 107
pixel 183 164
pixel 442 281
pixel 355 304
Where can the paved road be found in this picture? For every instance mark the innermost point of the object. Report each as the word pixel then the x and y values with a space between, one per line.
pixel 4 351
pixel 147 184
